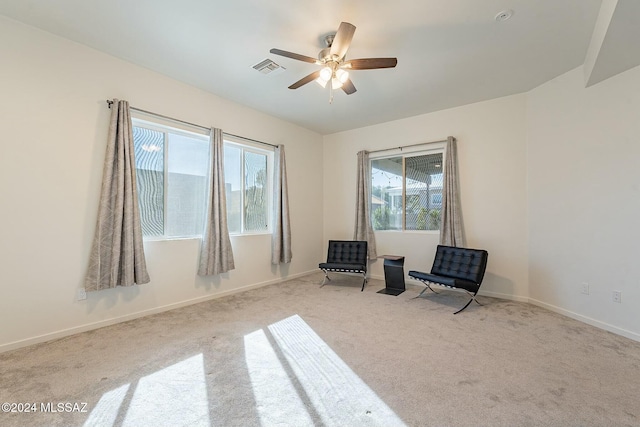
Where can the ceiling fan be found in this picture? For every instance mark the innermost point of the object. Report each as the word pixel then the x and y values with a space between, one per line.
pixel 335 66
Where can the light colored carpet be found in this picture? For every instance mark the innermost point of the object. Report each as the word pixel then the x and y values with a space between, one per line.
pixel 295 354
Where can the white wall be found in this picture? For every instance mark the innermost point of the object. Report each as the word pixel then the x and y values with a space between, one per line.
pixel 491 151
pixel 54 120
pixel 584 198
pixel 550 187
pixel 549 184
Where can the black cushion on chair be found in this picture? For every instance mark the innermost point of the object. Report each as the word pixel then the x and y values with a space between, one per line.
pixel 460 263
pixel 446 281
pixel 456 267
pixel 347 252
pixel 346 256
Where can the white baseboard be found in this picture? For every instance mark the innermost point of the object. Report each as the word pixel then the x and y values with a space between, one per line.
pixel 588 320
pixel 114 320
pixel 499 295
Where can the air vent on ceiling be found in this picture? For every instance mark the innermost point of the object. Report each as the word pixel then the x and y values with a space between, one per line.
pixel 504 15
pixel 268 67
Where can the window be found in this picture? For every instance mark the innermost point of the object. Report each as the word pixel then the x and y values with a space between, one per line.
pixel 172 179
pixel 172 170
pixel 407 191
pixel 248 183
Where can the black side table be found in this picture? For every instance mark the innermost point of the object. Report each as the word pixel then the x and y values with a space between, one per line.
pixel 393 275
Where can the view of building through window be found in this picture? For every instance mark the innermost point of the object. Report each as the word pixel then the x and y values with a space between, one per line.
pixel 247 183
pixel 406 192
pixel 172 169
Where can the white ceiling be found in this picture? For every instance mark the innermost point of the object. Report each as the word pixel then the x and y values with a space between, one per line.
pixel 450 52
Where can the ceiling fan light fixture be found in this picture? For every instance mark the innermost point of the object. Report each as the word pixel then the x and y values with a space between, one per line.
pixel 336 83
pixel 342 75
pixel 326 73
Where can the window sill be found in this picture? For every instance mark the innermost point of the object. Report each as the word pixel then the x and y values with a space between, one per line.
pixel 261 233
pixel 409 231
pixel 169 239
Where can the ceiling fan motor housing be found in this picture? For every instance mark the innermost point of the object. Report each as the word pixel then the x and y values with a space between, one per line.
pixel 324 55
pixel 328 39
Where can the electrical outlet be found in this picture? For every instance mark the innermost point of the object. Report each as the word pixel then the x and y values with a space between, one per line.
pixel 81 295
pixel 585 288
pixel 617 296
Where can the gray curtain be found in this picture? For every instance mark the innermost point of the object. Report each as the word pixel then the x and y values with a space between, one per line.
pixel 363 229
pixel 216 254
pixel 117 253
pixel 281 237
pixel 451 230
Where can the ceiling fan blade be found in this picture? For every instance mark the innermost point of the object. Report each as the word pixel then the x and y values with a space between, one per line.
pixel 342 39
pixel 294 56
pixel 348 87
pixel 303 81
pixel 370 63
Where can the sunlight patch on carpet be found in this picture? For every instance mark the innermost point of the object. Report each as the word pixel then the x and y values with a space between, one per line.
pixel 339 397
pixel 277 401
pixel 176 395
pixel 107 409
pixel 173 396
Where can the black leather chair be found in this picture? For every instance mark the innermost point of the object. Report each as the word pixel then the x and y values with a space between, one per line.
pixel 346 256
pixel 457 268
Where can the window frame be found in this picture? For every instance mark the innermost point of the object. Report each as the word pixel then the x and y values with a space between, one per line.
pixel 145 121
pixel 248 146
pixel 165 125
pixel 434 148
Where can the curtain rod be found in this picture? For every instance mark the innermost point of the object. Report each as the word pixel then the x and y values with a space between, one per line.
pixel 193 124
pixel 406 146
